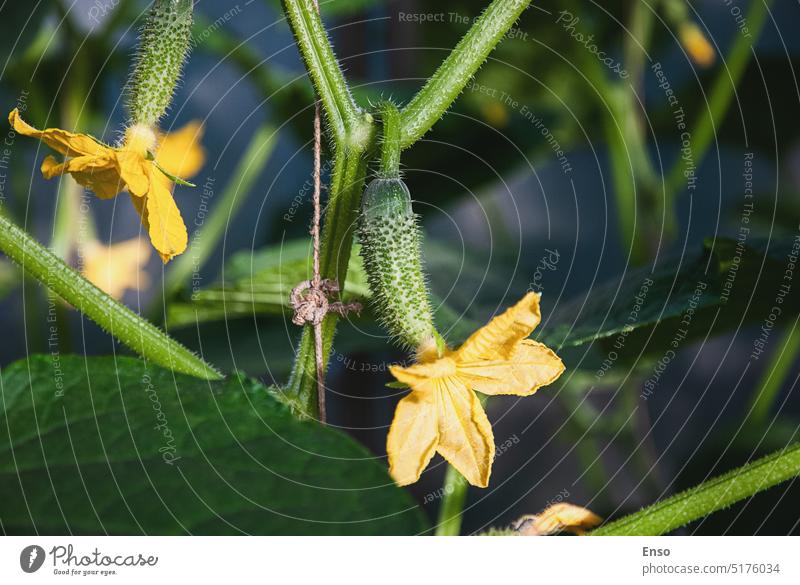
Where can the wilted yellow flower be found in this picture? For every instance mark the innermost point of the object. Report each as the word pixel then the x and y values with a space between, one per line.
pixel 697 45
pixel 557 518
pixel 134 166
pixel 118 267
pixel 442 413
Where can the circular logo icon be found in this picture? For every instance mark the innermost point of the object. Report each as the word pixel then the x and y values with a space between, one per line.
pixel 31 558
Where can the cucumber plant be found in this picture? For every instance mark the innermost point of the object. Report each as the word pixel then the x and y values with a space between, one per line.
pixel 354 139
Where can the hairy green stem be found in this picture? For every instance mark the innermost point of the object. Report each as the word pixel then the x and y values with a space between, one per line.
pixel 774 376
pixel 390 140
pixel 345 118
pixel 455 496
pixel 205 239
pixel 441 90
pixel 139 335
pixel 350 169
pixel 708 497
pixel 706 126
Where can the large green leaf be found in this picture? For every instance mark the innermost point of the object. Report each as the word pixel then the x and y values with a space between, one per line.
pixel 112 445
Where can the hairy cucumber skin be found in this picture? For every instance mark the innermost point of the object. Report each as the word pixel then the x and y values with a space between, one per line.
pixel 390 247
pixel 163 46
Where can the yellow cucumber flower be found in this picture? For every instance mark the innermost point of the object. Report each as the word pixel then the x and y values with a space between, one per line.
pixel 133 166
pixel 117 267
pixel 442 413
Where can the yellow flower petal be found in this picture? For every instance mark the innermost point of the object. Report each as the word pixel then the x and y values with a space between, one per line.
pixel 496 359
pixel 413 437
pixel 135 171
pixel 465 435
pixel 422 377
pixel 98 173
pixel 180 153
pixel 107 171
pixel 498 339
pixel 557 518
pixel 118 267
pixel 103 169
pixel 63 142
pixel 532 366
pixel 163 221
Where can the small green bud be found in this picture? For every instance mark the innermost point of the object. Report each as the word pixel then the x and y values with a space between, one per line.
pixel 390 246
pixel 163 46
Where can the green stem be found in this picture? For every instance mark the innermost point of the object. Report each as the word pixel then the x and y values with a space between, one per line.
pixel 205 239
pixel 345 118
pixel 139 335
pixel 451 78
pixel 708 497
pixel 722 92
pixel 774 376
pixel 390 140
pixel 347 185
pixel 613 97
pixel 455 495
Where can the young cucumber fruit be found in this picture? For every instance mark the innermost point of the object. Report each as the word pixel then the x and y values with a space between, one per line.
pixel 163 47
pixel 390 247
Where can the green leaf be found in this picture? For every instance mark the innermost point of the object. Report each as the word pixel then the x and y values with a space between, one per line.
pixel 260 284
pixel 724 285
pixel 110 445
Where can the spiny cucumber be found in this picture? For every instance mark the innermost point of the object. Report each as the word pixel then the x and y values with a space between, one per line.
pixel 390 246
pixel 163 46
